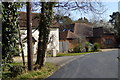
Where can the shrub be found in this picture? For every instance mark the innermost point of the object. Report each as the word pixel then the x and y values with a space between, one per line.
pixel 118 58
pixel 77 49
pixel 87 46
pixel 96 47
pixel 15 70
pixel 70 50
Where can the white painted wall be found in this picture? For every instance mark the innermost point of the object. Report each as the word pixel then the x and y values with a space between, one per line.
pixel 55 44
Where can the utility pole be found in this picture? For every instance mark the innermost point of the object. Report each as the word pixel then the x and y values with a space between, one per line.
pixel 29 37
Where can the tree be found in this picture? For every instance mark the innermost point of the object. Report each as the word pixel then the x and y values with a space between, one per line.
pixel 106 25
pixel 21 46
pixel 115 20
pixel 85 20
pixel 45 22
pixel 51 42
pixel 82 20
pixel 29 37
pixel 79 20
pixel 9 30
pixel 63 20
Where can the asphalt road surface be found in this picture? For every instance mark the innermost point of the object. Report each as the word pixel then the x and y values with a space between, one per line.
pixel 95 65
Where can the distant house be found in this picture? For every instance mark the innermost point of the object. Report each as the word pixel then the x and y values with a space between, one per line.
pixel 103 37
pixel 70 35
pixel 54 31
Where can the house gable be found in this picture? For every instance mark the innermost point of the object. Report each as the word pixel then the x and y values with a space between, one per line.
pixel 35 21
pixel 54 30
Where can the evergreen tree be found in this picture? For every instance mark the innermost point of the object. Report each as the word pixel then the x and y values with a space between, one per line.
pixel 63 20
pixel 115 20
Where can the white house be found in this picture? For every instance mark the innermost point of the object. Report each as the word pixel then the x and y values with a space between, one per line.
pixel 53 36
pixel 53 45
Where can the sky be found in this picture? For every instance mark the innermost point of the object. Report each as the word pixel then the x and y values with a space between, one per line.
pixel 110 6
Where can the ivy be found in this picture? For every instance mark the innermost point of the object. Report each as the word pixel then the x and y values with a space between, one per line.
pixel 10 30
pixel 46 17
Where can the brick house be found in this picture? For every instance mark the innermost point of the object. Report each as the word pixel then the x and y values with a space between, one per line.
pixel 71 34
pixel 105 38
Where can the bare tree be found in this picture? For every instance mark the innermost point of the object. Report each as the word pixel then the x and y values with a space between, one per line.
pixel 81 7
pixel 21 46
pixel 52 43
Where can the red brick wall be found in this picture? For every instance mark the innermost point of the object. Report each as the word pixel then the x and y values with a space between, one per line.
pixel 73 43
pixel 102 41
pixel 105 45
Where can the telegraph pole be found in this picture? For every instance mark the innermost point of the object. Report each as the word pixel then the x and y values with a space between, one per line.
pixel 29 37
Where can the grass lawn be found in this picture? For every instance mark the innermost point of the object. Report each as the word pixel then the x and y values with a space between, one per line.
pixel 71 54
pixel 44 72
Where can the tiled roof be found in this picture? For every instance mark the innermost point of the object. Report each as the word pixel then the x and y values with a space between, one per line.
pixel 67 27
pixel 83 29
pixel 35 20
pixel 72 35
pixel 63 35
pixel 76 30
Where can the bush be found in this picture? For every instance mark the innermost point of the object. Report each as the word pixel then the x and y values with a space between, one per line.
pixel 77 49
pixel 70 50
pixel 15 70
pixel 87 46
pixel 118 58
pixel 96 47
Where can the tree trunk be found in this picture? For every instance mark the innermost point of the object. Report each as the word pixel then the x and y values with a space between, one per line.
pixel 29 37
pixel 21 45
pixel 40 52
pixel 45 22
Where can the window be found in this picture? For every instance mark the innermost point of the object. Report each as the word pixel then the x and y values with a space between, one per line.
pixel 109 41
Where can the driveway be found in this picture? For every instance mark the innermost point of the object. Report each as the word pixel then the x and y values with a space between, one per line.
pixel 99 65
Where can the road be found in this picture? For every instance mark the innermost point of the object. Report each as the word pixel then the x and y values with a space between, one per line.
pixel 95 65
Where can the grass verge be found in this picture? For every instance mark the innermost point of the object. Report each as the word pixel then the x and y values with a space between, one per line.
pixel 44 72
pixel 71 54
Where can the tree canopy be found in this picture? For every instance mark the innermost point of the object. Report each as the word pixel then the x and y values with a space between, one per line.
pixel 63 20
pixel 115 20
pixel 82 20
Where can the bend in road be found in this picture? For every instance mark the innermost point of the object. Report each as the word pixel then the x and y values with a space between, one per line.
pixel 95 65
